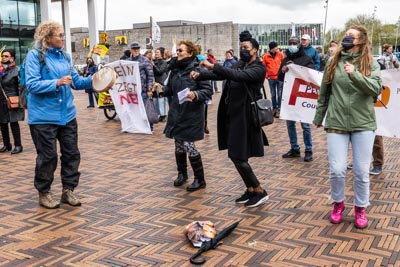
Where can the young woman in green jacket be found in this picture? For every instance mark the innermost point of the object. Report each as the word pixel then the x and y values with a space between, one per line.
pixel 350 82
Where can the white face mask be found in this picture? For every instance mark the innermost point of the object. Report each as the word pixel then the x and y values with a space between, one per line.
pixel 293 49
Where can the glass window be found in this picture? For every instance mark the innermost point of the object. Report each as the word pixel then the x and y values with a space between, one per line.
pixel 26 12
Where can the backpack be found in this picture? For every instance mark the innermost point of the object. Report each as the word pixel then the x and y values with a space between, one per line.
pixel 23 92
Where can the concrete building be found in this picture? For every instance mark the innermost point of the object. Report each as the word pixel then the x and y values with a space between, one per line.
pixel 218 36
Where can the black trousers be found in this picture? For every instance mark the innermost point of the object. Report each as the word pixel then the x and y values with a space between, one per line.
pixel 246 172
pixel 16 132
pixel 45 138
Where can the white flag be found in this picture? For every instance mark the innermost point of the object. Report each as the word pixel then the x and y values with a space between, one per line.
pixel 293 29
pixel 155 33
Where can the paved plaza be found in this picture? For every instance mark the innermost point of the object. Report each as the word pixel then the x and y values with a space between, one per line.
pixel 132 215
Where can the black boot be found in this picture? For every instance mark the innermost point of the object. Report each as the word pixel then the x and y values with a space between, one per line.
pixel 17 137
pixel 6 138
pixel 181 164
pixel 198 171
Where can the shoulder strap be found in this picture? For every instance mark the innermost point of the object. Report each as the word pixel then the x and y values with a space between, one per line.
pixel 251 97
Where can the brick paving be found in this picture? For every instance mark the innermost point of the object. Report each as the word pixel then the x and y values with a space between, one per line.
pixel 132 215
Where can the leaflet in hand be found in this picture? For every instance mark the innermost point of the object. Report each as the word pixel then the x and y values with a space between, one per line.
pixel 182 95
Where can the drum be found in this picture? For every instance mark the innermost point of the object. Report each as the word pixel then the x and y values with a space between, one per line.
pixel 104 79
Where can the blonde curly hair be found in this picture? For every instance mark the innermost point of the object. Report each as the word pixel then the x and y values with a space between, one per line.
pixel 43 33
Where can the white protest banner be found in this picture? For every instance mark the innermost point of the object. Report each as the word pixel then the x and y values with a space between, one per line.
pixel 127 99
pixel 387 108
pixel 300 94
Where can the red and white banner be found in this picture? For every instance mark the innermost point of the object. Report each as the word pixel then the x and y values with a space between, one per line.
pixel 127 99
pixel 300 94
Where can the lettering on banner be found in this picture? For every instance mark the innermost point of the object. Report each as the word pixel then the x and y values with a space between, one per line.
pixel 124 70
pixel 384 97
pixel 309 90
pixel 126 87
pixel 129 98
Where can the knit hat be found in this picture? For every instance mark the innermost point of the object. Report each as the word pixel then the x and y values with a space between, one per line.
pixel 246 36
pixel 272 45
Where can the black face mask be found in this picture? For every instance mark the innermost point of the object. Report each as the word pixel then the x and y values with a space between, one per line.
pixel 347 43
pixel 245 55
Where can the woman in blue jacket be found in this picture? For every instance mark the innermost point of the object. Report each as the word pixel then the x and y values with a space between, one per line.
pixel 52 113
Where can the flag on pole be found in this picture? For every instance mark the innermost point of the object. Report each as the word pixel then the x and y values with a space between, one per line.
pixel 293 29
pixel 155 33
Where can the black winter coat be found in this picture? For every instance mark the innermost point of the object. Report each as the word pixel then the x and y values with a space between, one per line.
pixel 10 84
pixel 235 130
pixel 299 58
pixel 186 121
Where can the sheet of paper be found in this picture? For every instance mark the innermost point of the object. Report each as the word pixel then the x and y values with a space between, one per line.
pixel 182 95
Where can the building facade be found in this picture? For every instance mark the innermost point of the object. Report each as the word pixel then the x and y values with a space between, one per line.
pixel 281 33
pixel 220 36
pixel 18 21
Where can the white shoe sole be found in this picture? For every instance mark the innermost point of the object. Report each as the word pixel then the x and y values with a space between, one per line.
pixel 261 201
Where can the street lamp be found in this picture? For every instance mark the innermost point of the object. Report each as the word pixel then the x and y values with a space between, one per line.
pixel 372 27
pixel 397 34
pixel 326 15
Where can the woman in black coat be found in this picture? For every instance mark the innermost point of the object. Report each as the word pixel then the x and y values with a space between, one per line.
pixel 9 83
pixel 235 130
pixel 186 119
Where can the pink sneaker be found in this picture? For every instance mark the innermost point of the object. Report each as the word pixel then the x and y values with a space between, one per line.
pixel 336 215
pixel 361 218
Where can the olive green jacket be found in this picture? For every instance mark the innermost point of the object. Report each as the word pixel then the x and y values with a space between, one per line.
pixel 351 106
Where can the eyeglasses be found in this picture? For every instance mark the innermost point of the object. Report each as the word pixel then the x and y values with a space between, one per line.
pixel 180 50
pixel 61 35
pixel 4 56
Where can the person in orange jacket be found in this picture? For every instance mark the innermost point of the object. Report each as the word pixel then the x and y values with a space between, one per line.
pixel 272 60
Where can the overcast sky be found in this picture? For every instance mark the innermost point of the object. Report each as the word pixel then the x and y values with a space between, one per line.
pixel 121 14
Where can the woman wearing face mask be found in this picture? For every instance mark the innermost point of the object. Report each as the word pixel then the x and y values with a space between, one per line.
pixel 235 130
pixel 296 55
pixel 9 83
pixel 351 80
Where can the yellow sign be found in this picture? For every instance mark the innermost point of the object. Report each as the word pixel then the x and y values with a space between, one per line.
pixel 103 37
pixel 100 50
pixel 86 42
pixel 121 40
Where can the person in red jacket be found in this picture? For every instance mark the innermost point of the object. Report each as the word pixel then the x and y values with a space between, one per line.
pixel 272 60
pixel 212 60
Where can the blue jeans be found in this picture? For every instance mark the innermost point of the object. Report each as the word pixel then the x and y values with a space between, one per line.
pixel 92 94
pixel 338 145
pixel 160 104
pixel 276 88
pixel 214 85
pixel 307 138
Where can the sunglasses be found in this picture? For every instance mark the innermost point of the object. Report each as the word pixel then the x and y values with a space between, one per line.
pixel 61 35
pixel 180 50
pixel 4 56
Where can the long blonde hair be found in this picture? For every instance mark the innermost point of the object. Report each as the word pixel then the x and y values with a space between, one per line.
pixel 43 33
pixel 364 61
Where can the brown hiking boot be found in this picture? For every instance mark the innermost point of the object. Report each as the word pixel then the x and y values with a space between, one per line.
pixel 69 197
pixel 46 200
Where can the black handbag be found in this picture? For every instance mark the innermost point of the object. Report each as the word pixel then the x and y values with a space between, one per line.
pixel 262 113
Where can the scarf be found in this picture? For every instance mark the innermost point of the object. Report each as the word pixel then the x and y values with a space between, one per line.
pixel 183 63
pixel 5 67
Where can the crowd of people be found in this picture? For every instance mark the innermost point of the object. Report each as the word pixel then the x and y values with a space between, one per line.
pixel 350 78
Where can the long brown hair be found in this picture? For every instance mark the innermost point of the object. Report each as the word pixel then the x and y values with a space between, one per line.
pixel 364 61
